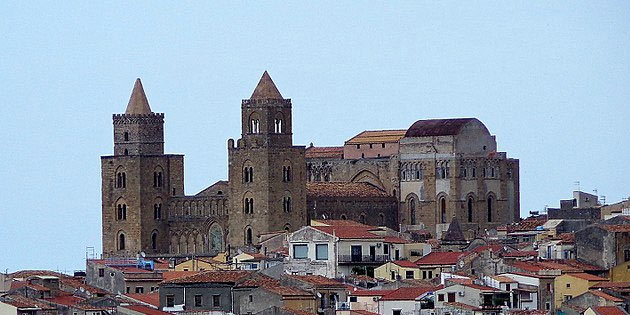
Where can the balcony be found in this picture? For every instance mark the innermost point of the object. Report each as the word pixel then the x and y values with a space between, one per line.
pixel 363 258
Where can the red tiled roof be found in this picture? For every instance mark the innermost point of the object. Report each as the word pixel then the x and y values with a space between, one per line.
pixel 20 284
pixel 287 291
pixel 519 253
pixel 377 136
pixel 615 227
pixel 609 310
pixel 67 300
pixel 587 276
pixel 371 292
pixel 463 306
pixel 338 189
pixel 226 276
pixel 492 247
pixel 407 293
pixel 131 269
pixel 22 302
pixel 441 258
pixel 145 310
pixel 258 280
pixel 529 224
pixel 170 275
pixel 152 298
pixel 566 238
pixel 395 240
pixel 611 285
pixel 479 287
pixel 319 280
pixel 405 263
pixel 324 152
pixel 605 296
pixel 348 233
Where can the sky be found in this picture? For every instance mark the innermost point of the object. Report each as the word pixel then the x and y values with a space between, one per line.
pixel 549 78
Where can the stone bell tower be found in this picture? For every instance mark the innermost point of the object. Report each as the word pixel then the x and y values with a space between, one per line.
pixel 137 181
pixel 267 173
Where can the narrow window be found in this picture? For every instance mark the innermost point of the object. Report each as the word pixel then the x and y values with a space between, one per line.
pixel 490 209
pixel 412 210
pixel 139 289
pixel 443 210
pixel 370 145
pixel 170 300
pixel 470 209
pixel 126 152
pixel 126 136
pixel 321 251
pixel 216 300
pixel 101 272
pixel 383 145
pixel 198 300
pixel 248 236
pixel 474 172
pixel 154 241
pixel 121 241
pixel 358 146
pixel 362 218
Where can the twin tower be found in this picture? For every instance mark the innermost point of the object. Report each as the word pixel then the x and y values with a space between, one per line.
pixel 266 179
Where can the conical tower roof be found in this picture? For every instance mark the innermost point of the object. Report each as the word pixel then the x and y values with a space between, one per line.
pixel 266 89
pixel 454 233
pixel 138 103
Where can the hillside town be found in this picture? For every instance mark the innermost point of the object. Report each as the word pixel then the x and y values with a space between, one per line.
pixel 572 260
pixel 423 220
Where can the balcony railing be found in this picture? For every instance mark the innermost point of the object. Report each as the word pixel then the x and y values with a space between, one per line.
pixel 363 258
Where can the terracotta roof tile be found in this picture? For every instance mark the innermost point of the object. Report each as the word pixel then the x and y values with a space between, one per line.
pixel 152 298
pixel 377 136
pixel 407 293
pixel 287 291
pixel 324 152
pixel 605 296
pixel 24 302
pixel 266 89
pixel 371 292
pixel 405 263
pixel 462 306
pixel 609 310
pixel 611 285
pixel 170 275
pixel 441 258
pixel 226 276
pixel 350 190
pixel 395 240
pixel 587 276
pixel 348 233
pixel 503 279
pixel 67 300
pixel 20 284
pixel 520 253
pixel 615 227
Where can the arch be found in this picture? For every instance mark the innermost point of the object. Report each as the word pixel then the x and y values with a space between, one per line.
pixel 126 135
pixel 381 219
pixel 121 241
pixel 199 243
pixel 278 123
pixel 287 227
pixel 126 152
pixel 286 202
pixel 490 203
pixel 248 172
pixel 157 209
pixel 120 210
pixel 248 203
pixel 249 235
pixel 191 243
pixel 344 217
pixel 121 177
pixel 362 218
pixel 254 123
pixel 412 201
pixel 470 203
pixel 183 244
pixel 287 172
pixel 154 239
pixel 442 206
pixel 158 177
pixel 174 246
pixel 366 176
pixel 215 236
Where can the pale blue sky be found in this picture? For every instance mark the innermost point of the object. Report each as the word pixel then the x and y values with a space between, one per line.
pixel 549 78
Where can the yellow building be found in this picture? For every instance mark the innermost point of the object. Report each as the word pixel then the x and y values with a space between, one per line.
pixel 201 264
pixel 570 285
pixel 400 269
pixel 620 273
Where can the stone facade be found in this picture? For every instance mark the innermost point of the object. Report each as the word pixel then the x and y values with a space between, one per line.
pixel 426 175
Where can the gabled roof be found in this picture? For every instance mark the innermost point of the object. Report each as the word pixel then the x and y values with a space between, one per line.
pixel 441 258
pixel 145 310
pixel 395 240
pixel 22 302
pixel 226 276
pixel 152 298
pixel 605 296
pixel 609 310
pixel 405 263
pixel 66 300
pixel 407 293
pixel 371 292
pixel 339 189
pixel 464 306
pixel 20 284
pixel 611 285
pixel 318 280
pixel 437 127
pixel 348 233
pixel 324 152
pixel 586 276
pixel 138 103
pixel 521 253
pixel 266 89
pixel 377 136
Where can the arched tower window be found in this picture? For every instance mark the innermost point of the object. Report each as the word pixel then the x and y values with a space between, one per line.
pixel 126 136
pixel 286 173
pixel 286 204
pixel 158 179
pixel 248 205
pixel 443 210
pixel 490 200
pixel 121 211
pixel 254 123
pixel 248 235
pixel 157 211
pixel 278 125
pixel 154 240
pixel 343 217
pixel 121 178
pixel 362 218
pixel 470 209
pixel 412 211
pixel 121 241
pixel 126 152
pixel 248 173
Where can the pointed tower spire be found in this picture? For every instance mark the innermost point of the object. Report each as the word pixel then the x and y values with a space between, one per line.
pixel 454 232
pixel 266 89
pixel 138 103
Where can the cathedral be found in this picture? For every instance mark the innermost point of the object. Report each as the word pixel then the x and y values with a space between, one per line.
pixel 412 180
